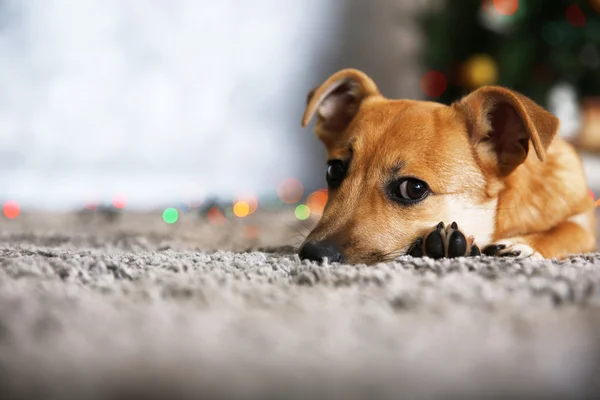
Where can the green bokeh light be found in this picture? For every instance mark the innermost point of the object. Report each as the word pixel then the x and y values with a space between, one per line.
pixel 553 33
pixel 170 215
pixel 302 212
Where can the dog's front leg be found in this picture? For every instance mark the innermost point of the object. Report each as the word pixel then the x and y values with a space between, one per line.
pixel 567 238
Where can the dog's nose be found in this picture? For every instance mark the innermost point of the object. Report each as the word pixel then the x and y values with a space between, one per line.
pixel 317 251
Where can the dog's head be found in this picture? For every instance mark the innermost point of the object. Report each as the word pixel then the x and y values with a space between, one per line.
pixel 396 168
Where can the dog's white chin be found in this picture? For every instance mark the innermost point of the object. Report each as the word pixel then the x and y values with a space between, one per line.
pixel 477 220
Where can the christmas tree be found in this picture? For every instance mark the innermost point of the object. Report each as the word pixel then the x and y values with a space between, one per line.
pixel 526 45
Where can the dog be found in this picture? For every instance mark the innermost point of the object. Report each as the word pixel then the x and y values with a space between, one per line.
pixel 486 174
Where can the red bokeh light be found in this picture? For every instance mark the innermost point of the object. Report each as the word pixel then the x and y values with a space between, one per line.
pixel 92 201
pixel 251 232
pixel 119 201
pixel 434 84
pixel 91 205
pixel 575 16
pixel 11 209
pixel 316 201
pixel 215 216
pixel 290 190
pixel 506 7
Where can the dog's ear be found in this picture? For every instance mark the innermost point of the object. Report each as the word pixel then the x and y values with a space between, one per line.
pixel 501 124
pixel 337 101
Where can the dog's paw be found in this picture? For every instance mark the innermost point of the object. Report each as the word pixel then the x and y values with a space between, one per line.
pixel 508 248
pixel 444 242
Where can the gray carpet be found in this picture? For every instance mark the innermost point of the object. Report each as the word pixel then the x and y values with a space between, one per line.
pixel 94 309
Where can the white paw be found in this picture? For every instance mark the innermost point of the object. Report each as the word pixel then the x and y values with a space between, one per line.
pixel 508 248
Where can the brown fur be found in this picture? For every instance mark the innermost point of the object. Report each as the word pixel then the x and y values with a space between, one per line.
pixel 476 157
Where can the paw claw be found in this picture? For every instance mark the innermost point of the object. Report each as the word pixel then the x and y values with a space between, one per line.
pixel 454 226
pixel 416 249
pixel 475 252
pixel 441 225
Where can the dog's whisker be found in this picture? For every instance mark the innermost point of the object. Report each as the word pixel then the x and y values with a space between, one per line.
pixel 489 208
pixel 306 226
pixel 298 231
pixel 296 226
pixel 298 238
pixel 391 254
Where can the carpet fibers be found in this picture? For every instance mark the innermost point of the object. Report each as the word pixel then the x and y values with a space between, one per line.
pixel 96 308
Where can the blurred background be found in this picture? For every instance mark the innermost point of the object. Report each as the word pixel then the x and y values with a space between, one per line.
pixel 195 105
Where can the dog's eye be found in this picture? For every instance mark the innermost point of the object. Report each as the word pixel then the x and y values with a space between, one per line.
pixel 410 190
pixel 336 172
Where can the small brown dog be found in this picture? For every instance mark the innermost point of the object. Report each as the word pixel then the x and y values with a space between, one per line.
pixel 426 179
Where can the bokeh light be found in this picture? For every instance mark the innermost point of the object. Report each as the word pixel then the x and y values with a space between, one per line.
pixel 119 201
pixel 170 215
pixel 434 84
pixel 506 7
pixel 92 201
pixel 595 4
pixel 302 212
pixel 316 201
pixel 290 190
pixel 91 205
pixel 241 209
pixel 250 199
pixel 215 216
pixel 488 6
pixel 11 209
pixel 480 70
pixel 251 232
pixel 575 16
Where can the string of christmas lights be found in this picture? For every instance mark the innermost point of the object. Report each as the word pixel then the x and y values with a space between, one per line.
pixel 500 46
